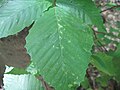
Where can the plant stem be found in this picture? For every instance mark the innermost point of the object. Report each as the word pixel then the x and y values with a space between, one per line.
pixel 110 8
pixel 54 3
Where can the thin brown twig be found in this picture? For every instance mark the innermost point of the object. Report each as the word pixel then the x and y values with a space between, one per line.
pixel 44 84
pixel 100 32
pixel 94 32
pixel 110 8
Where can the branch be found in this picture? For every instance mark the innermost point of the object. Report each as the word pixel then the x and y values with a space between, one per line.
pixel 94 32
pixel 110 8
pixel 44 84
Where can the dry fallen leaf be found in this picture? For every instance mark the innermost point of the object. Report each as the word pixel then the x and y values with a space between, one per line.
pixel 12 50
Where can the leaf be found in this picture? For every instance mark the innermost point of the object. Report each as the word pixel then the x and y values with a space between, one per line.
pixel 15 71
pixel 17 14
pixel 103 79
pixel 18 71
pixel 59 45
pixel 84 9
pixel 116 62
pixel 104 63
pixel 85 84
pixel 21 82
pixel 117 52
pixel 12 51
pixel 32 69
pixel 108 64
pixel 2 70
pixel 2 2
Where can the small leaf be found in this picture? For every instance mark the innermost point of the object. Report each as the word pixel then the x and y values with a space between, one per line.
pixel 12 49
pixel 103 62
pixel 18 71
pixel 85 83
pixel 117 52
pixel 103 79
pixel 116 62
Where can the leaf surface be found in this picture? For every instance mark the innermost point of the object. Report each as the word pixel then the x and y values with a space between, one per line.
pixel 59 44
pixel 2 2
pixel 104 63
pixel 21 82
pixel 17 71
pixel 17 14
pixel 116 62
pixel 84 9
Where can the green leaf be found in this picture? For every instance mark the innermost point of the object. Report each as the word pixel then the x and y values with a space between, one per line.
pixel 103 62
pixel 17 71
pixel 103 79
pixel 84 9
pixel 116 62
pixel 21 82
pixel 59 44
pixel 117 52
pixel 32 69
pixel 2 2
pixel 17 14
pixel 108 64
pixel 85 84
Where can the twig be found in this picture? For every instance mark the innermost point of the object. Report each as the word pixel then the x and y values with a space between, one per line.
pixel 97 38
pixel 110 8
pixel 44 84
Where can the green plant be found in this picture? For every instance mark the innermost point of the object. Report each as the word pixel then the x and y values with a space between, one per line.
pixel 60 43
